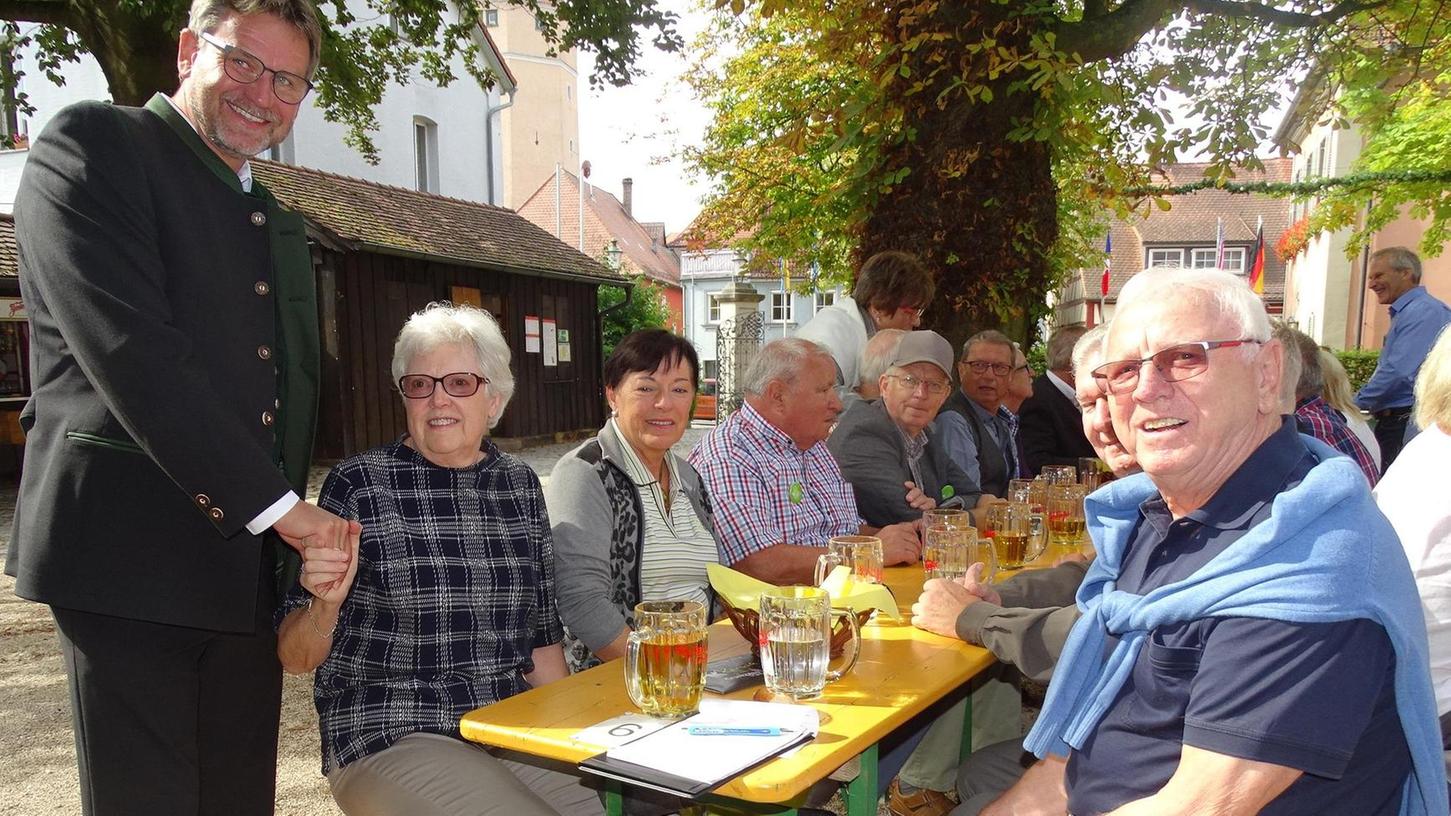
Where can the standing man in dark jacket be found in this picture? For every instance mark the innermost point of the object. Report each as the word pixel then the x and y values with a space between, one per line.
pixel 1049 423
pixel 175 358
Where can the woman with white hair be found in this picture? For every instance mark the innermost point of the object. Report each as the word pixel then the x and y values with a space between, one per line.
pixel 447 603
pixel 1412 494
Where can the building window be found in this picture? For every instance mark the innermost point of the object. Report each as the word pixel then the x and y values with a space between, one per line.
pixel 425 154
pixel 710 369
pixel 568 91
pixel 1166 257
pixel 491 18
pixel 538 24
pixel 712 308
pixel 781 303
pixel 1202 258
pixel 14 354
pixel 1234 260
pixel 825 299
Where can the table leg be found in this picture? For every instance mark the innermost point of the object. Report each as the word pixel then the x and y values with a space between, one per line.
pixel 614 800
pixel 966 729
pixel 861 793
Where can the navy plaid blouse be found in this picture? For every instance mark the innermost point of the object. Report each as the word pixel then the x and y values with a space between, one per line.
pixel 454 591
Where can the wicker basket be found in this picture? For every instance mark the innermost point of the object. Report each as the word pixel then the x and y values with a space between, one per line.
pixel 747 622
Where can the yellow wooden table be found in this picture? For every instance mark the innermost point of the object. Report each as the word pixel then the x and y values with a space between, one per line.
pixel 901 671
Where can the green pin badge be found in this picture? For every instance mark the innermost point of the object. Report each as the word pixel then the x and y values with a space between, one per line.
pixel 794 493
pixel 948 492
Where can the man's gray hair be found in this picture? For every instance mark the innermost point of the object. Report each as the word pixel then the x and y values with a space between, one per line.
pixel 1060 347
pixel 992 336
pixel 1088 351
pixel 441 324
pixel 782 360
pixel 1291 366
pixel 1225 290
pixel 1400 258
pixel 877 354
pixel 206 15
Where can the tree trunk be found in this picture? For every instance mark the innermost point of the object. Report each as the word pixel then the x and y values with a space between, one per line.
pixel 136 52
pixel 978 208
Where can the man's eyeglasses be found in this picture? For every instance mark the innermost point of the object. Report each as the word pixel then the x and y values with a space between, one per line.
pixel 458 384
pixel 242 67
pixel 935 388
pixel 983 366
pixel 1174 364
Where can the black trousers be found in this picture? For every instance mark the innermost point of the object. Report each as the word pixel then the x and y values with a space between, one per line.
pixel 1390 434
pixel 173 720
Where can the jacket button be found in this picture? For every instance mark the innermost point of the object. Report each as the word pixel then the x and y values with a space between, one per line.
pixel 203 500
pixel 265 352
pixel 267 418
pixel 261 287
pixel 216 513
pixel 258 219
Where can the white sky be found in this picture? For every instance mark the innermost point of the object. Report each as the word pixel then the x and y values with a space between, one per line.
pixel 627 132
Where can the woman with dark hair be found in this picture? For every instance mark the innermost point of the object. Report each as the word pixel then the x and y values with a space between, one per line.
pixel 630 517
pixel 892 289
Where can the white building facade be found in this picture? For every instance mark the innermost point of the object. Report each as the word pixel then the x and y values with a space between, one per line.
pixel 704 273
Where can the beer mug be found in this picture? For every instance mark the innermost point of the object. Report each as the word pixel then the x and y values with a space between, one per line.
pixel 665 658
pixel 795 639
pixel 1059 474
pixel 1009 526
pixel 949 551
pixel 1065 518
pixel 947 517
pixel 862 554
pixel 1090 472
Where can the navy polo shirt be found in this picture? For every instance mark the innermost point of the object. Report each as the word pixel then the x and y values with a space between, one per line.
pixel 1317 697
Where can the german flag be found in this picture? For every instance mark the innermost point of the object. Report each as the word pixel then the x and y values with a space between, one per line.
pixel 1257 261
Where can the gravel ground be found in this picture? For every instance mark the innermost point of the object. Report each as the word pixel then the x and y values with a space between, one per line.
pixel 38 776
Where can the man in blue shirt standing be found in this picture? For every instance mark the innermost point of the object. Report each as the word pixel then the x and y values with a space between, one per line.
pixel 1250 640
pixel 1417 319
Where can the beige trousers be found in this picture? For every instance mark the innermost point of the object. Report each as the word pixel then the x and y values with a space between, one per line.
pixel 436 775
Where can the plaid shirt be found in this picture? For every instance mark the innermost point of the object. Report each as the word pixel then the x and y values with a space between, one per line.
pixel 1315 417
pixel 454 591
pixel 767 491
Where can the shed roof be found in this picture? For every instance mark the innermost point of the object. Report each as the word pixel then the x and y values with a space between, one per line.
pixel 396 220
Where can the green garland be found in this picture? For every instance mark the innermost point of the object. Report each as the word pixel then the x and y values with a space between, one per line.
pixel 1281 189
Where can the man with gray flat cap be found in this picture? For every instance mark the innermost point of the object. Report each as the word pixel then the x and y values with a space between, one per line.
pixel 884 448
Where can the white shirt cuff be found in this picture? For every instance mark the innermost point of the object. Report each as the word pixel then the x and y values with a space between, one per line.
pixel 269 517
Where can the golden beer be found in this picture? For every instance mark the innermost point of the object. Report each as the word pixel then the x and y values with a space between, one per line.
pixel 1011 549
pixel 665 658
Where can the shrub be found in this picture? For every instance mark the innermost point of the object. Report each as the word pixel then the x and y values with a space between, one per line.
pixel 1359 365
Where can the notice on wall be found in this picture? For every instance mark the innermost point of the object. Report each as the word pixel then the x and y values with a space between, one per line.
pixel 565 356
pixel 550 340
pixel 531 334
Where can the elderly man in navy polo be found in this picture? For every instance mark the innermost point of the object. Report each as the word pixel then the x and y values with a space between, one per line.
pixel 1231 659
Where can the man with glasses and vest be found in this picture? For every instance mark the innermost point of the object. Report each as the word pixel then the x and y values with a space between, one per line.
pixel 175 358
pixel 1251 638
pixel 974 429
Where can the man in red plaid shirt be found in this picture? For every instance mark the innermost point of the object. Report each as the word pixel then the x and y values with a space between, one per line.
pixel 1314 415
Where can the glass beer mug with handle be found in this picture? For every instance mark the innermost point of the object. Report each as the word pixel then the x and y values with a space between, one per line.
pixel 949 551
pixel 665 658
pixel 1009 525
pixel 862 554
pixel 795 640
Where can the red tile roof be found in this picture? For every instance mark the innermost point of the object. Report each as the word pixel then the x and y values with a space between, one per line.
pixel 1191 222
pixel 374 216
pixel 643 246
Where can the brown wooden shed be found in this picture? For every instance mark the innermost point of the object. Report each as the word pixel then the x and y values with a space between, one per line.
pixel 382 253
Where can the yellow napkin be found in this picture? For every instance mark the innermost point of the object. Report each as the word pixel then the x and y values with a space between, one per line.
pixel 744 592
